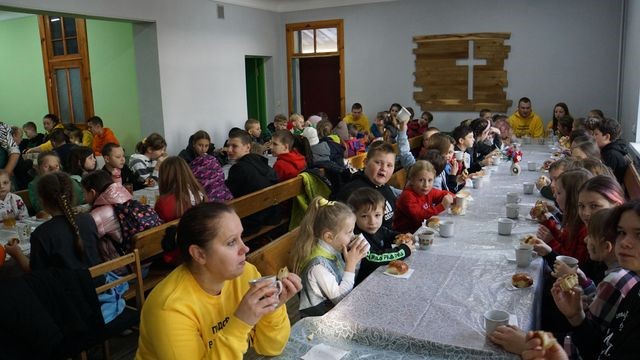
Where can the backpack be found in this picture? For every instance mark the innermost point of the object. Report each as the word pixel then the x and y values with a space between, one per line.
pixel 134 217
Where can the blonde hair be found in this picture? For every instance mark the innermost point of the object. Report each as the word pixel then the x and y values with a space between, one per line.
pixel 322 215
pixel 420 166
pixel 175 177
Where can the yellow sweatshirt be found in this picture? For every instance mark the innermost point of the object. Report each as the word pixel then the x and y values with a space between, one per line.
pixel 181 321
pixel 362 124
pixel 530 126
pixel 47 145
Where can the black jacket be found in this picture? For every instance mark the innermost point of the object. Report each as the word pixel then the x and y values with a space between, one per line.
pixel 360 181
pixel 250 174
pixel 613 155
pixel 381 252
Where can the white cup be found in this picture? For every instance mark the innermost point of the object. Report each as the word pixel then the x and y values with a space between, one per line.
pixel 513 210
pixel 495 318
pixel 532 166
pixel 524 255
pixel 513 198
pixel 446 228
pixel 570 261
pixel 459 155
pixel 272 279
pixel 527 188
pixel 425 239
pixel 24 232
pixel 403 115
pixel 505 226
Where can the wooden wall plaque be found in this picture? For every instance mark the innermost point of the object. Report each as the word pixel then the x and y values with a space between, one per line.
pixel 461 72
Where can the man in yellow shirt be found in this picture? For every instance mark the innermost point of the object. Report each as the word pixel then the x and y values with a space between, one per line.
pixel 525 122
pixel 357 118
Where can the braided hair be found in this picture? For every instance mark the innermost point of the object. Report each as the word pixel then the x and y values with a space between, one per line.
pixel 56 193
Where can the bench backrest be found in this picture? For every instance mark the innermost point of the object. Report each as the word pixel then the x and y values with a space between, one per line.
pixel 632 180
pixel 275 194
pixel 131 259
pixel 398 179
pixel 275 255
pixel 149 242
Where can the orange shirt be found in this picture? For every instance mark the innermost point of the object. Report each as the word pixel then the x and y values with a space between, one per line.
pixel 101 140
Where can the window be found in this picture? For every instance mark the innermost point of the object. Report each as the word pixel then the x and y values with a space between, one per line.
pixel 315 41
pixel 66 67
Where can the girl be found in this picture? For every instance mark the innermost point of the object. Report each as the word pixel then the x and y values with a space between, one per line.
pixel 569 238
pixel 419 200
pixel 445 145
pixel 585 150
pixel 611 335
pixel 81 162
pixel 559 110
pixel 481 130
pixel 102 193
pixel 50 122
pixel 377 128
pixel 150 153
pixel 207 307
pixel 65 241
pixel 325 232
pixel 199 143
pixel 207 170
pixel 10 203
pixel 49 162
pixel 179 190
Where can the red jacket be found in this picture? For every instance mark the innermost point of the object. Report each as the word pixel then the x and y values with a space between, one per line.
pixel 289 165
pixel 563 245
pixel 412 208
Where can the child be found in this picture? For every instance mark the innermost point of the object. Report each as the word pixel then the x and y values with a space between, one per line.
pixel 612 334
pixel 377 128
pixel 419 200
pixel 378 169
pixel 464 140
pixel 114 164
pixel 565 126
pixel 279 123
pixel 102 193
pixel 81 162
pixel 61 146
pixel 34 138
pixel 332 141
pixel 585 149
pixel 10 203
pixel 252 126
pixel 150 153
pixel 101 134
pixel 78 136
pixel 207 170
pixel 66 240
pixel 368 206
pixel 612 148
pixel 199 143
pixel 356 143
pixel 49 162
pixel 569 240
pixel 290 162
pixel 417 127
pixel 325 232
pixel 179 190
pixel 297 124
pixel 50 122
pixel 250 173
pixel 425 141
pixel 483 150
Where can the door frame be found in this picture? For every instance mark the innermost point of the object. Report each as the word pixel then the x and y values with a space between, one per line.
pixel 290 28
pixel 259 83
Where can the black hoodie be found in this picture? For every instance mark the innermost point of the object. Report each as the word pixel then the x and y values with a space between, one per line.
pixel 250 174
pixel 613 155
pixel 360 181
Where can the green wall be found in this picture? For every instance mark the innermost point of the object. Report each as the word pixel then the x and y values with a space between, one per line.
pixel 23 95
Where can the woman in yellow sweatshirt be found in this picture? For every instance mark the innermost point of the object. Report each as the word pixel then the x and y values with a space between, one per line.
pixel 50 122
pixel 206 308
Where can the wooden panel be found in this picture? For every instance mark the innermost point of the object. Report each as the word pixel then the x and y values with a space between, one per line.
pixel 267 197
pixel 275 255
pixel 149 242
pixel 469 36
pixel 415 142
pixel 399 179
pixel 632 180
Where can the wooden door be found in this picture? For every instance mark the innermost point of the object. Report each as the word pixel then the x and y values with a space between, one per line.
pixel 320 86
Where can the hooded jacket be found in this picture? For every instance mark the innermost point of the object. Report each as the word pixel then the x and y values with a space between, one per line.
pixel 613 155
pixel 103 213
pixel 289 165
pixel 360 180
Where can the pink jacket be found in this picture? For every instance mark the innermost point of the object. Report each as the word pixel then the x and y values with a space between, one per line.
pixel 103 213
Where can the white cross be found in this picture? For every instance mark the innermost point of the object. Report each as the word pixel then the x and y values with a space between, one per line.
pixel 470 63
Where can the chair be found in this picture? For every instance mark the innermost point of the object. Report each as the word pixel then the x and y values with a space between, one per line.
pixel 130 316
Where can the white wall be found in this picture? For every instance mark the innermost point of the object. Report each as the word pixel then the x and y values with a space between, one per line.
pixel 560 50
pixel 630 72
pixel 201 59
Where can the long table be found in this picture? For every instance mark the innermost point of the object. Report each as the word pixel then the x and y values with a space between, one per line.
pixel 438 312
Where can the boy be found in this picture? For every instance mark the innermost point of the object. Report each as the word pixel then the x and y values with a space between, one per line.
pixel 59 140
pixel 379 166
pixel 101 135
pixel 250 173
pixel 290 162
pixel 252 126
pixel 368 206
pixel 297 124
pixel 114 164
pixel 417 127
pixel 279 123
pixel 612 149
pixel 33 137
pixel 464 140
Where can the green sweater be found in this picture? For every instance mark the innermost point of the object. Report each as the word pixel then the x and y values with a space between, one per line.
pixel 78 194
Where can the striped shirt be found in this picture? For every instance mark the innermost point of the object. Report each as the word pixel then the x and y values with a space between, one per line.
pixel 143 167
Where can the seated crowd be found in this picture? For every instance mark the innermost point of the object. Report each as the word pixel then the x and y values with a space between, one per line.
pixel 209 306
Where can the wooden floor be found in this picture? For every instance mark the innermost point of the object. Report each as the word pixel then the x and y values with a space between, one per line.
pixel 124 348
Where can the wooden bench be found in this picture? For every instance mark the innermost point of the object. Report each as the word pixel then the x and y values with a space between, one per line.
pixel 263 199
pixel 398 179
pixel 275 255
pixel 632 180
pixel 357 162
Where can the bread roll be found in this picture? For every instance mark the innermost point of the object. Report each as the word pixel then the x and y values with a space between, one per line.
pixel 568 282
pixel 521 280
pixel 547 340
pixel 397 267
pixel 283 273
pixel 528 240
pixel 403 239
